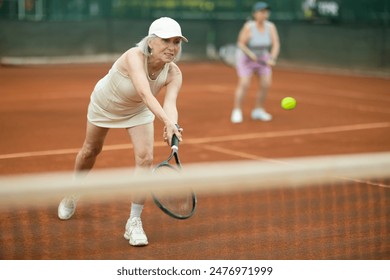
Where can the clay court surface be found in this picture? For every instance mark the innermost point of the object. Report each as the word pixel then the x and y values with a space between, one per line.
pixel 42 122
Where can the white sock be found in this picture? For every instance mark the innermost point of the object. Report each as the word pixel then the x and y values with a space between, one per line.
pixel 136 210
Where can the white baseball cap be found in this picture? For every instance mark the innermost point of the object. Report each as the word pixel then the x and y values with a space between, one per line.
pixel 165 28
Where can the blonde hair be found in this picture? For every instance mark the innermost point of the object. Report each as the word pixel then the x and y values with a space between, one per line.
pixel 147 51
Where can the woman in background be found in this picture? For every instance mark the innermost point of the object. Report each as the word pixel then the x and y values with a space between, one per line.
pixel 258 43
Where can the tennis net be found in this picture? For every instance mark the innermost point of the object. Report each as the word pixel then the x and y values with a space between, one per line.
pixel 332 207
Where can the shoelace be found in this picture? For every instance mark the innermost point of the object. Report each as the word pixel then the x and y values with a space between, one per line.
pixel 137 226
pixel 71 201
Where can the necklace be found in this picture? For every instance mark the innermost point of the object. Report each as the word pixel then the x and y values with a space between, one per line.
pixel 155 72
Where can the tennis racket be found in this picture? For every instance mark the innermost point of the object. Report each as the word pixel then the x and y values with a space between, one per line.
pixel 228 54
pixel 180 205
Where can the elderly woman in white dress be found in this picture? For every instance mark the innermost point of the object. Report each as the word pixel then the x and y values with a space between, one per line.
pixel 125 98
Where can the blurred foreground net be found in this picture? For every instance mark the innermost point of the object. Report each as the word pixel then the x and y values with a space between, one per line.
pixel 335 207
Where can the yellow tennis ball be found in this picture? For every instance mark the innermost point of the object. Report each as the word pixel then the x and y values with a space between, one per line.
pixel 288 103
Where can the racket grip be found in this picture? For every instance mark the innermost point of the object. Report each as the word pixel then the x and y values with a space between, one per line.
pixel 175 141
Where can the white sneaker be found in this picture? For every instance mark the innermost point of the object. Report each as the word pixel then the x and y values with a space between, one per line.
pixel 236 116
pixel 67 207
pixel 135 233
pixel 261 114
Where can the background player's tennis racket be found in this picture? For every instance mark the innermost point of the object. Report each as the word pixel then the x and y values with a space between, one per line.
pixel 180 205
pixel 228 54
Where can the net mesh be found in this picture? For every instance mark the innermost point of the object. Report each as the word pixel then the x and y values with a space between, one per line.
pixel 313 208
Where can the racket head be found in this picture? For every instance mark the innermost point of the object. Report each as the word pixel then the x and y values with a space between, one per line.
pixel 181 205
pixel 228 54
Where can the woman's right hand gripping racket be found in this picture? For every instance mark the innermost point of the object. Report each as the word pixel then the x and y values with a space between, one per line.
pixel 180 205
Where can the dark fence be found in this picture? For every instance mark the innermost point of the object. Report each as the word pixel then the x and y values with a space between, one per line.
pixel 345 33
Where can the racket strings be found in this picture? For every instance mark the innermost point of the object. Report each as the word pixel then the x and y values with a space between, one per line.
pixel 180 204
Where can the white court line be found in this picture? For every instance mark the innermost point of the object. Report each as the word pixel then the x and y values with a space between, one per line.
pixel 215 139
pixel 295 132
pixel 240 154
pixel 45 96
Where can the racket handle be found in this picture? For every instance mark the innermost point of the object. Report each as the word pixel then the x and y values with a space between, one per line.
pixel 175 141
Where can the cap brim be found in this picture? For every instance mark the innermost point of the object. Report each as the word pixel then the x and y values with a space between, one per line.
pixel 167 36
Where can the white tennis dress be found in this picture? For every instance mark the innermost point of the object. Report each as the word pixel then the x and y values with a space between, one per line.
pixel 115 103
